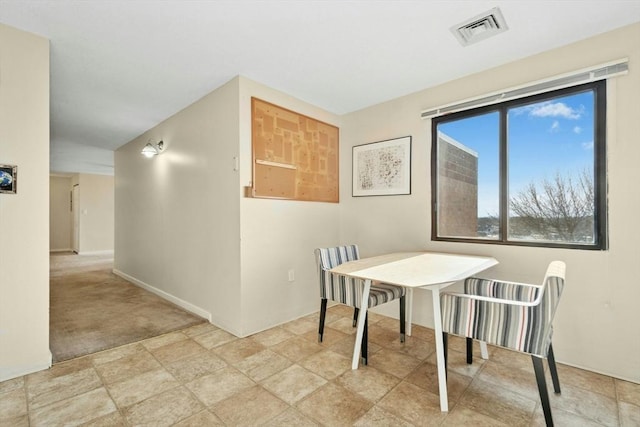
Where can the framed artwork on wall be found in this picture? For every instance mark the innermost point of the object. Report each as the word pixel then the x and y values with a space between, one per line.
pixel 382 168
pixel 8 179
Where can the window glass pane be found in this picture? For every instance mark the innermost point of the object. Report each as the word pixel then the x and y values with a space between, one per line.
pixel 468 177
pixel 551 170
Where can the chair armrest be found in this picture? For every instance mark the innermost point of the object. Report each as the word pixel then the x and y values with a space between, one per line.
pixel 512 291
pixel 507 301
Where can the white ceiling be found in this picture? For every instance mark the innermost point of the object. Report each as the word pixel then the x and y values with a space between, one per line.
pixel 119 67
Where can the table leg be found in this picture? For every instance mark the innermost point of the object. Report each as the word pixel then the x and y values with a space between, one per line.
pixel 360 329
pixel 442 375
pixel 409 302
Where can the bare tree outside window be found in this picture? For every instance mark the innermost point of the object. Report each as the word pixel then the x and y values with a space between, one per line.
pixel 556 209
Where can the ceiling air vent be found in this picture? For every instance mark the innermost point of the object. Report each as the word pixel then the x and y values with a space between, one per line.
pixel 480 27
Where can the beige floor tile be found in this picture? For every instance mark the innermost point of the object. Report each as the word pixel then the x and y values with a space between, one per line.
pixel 199 329
pixel 383 336
pixel 425 376
pixel 214 339
pixel 562 418
pixel 177 350
pixel 413 404
pixel 219 385
pixel 522 381
pixel 263 364
pixel 345 347
pixel 62 387
pixel 74 410
pixel 127 367
pixel 587 404
pixel 187 370
pixel 272 336
pixel 394 363
pixel 629 414
pixel 236 351
pixel 329 336
pixel 420 332
pixel 457 362
pixel 141 387
pixel 328 364
pixel 163 340
pixel 343 324
pixel 461 416
pixel 368 382
pixel 378 417
pixel 251 407
pixel 59 370
pixel 291 418
pixel 332 405
pixel 339 310
pixel 10 385
pixel 584 379
pixel 628 392
pixel 414 347
pixel 12 404
pixel 301 326
pixel 499 403
pixel 19 421
pixel 114 419
pixel 296 348
pixel 508 357
pixel 201 419
pixel 293 384
pixel 164 409
pixel 107 356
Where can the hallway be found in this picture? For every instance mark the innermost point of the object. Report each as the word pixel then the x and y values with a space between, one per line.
pixel 92 309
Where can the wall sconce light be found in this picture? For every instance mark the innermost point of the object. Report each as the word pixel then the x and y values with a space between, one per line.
pixel 151 150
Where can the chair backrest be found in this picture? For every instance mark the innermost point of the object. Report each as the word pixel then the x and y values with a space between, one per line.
pixel 338 288
pixel 531 328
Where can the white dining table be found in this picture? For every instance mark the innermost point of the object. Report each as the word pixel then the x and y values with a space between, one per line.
pixel 422 270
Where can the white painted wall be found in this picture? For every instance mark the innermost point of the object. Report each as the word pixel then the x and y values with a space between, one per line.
pixel 60 219
pixel 597 321
pixel 279 235
pixel 24 217
pixel 96 213
pixel 178 214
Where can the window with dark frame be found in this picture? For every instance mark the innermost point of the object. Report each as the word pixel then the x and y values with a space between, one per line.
pixel 529 171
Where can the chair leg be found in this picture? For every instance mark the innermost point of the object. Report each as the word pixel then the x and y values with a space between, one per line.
pixel 542 389
pixel 402 318
pixel 445 345
pixel 323 313
pixel 469 351
pixel 365 340
pixel 553 370
pixel 356 310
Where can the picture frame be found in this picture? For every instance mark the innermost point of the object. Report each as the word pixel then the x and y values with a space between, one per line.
pixel 8 179
pixel 382 168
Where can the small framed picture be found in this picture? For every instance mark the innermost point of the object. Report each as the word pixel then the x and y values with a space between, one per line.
pixel 382 168
pixel 8 179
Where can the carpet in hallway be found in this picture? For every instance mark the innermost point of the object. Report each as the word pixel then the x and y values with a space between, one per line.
pixel 92 309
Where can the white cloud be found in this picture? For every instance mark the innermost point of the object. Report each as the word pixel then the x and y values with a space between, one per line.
pixel 555 127
pixel 587 146
pixel 554 109
pixel 577 129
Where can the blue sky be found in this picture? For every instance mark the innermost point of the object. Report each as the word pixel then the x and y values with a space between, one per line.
pixel 544 138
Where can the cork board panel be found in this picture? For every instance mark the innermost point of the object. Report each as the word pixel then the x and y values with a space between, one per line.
pixel 294 156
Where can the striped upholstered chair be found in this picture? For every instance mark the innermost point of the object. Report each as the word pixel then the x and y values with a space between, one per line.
pixel 517 316
pixel 348 291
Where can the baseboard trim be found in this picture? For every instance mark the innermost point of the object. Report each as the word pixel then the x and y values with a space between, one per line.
pixel 60 250
pixel 165 295
pixel 105 252
pixel 9 373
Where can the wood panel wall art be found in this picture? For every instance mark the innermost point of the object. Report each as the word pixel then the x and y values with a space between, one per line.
pixel 295 157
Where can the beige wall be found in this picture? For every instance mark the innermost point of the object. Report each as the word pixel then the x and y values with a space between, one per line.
pixel 597 321
pixel 178 214
pixel 60 219
pixel 96 213
pixel 24 217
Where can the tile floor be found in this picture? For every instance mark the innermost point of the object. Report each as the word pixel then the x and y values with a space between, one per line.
pixel 203 376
